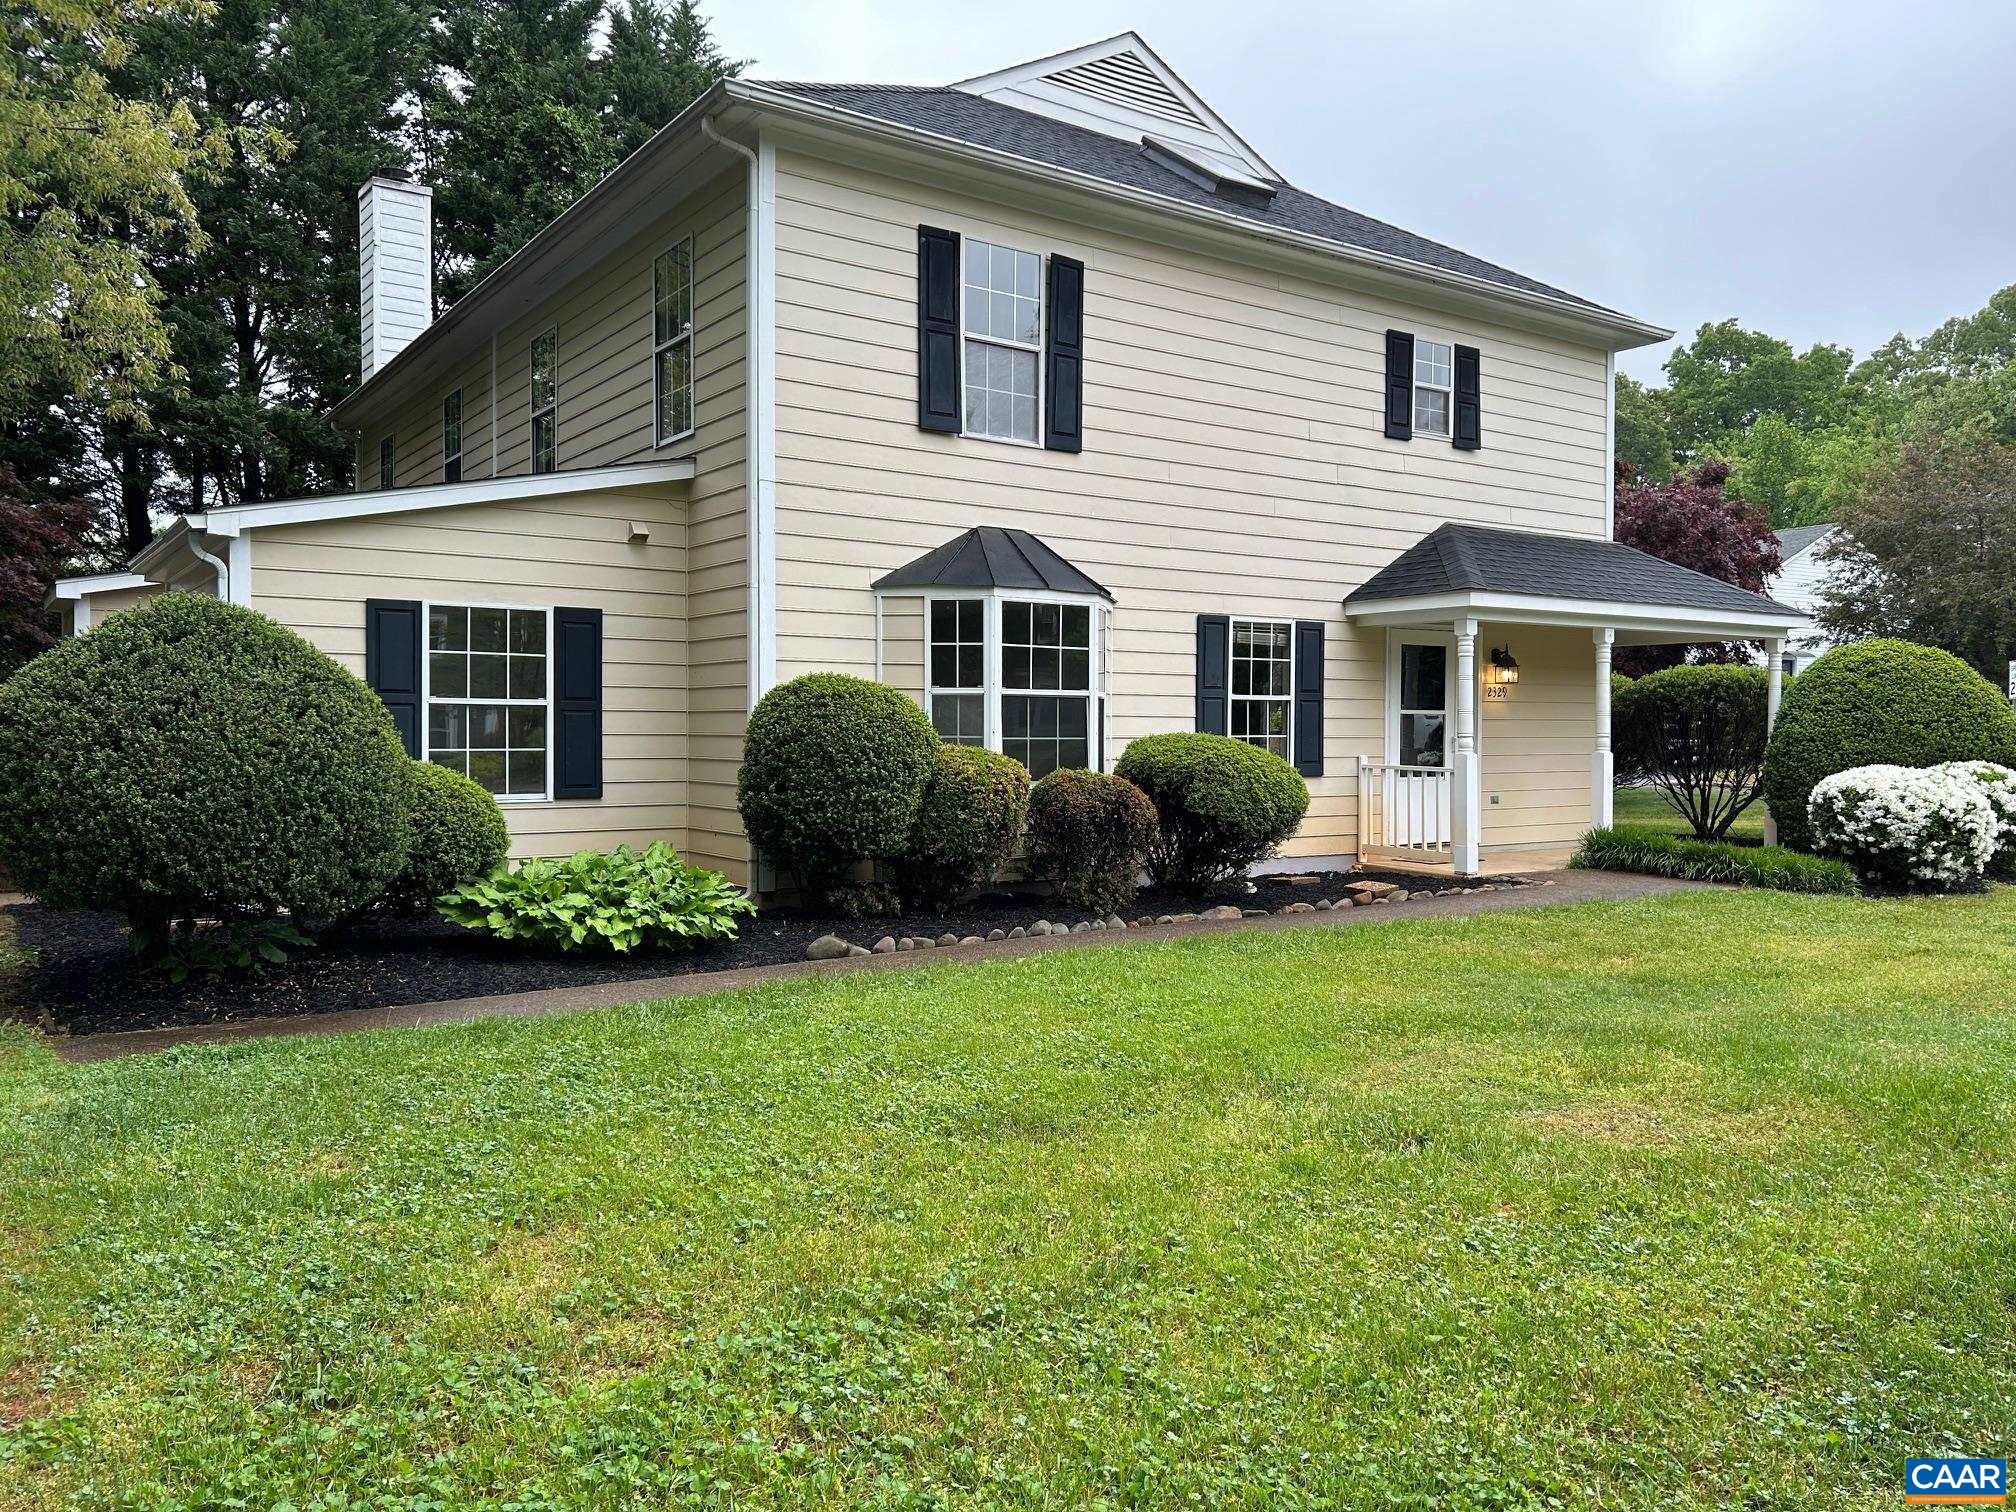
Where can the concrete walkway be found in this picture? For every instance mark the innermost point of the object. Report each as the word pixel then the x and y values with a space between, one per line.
pixel 1567 887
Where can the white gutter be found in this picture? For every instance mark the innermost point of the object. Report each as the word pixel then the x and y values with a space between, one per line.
pixel 217 565
pixel 759 432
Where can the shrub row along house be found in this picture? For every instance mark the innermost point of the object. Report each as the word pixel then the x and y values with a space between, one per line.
pixel 1043 398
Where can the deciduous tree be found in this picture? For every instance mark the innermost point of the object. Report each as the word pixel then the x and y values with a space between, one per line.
pixel 1693 522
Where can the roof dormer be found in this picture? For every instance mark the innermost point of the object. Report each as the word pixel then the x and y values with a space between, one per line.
pixel 1120 88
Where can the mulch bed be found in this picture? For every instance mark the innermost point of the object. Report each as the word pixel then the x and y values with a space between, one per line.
pixel 85 981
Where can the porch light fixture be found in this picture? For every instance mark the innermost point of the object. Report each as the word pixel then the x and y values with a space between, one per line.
pixel 1503 668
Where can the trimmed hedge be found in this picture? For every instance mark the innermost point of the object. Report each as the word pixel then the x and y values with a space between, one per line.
pixel 1089 835
pixel 833 770
pixel 1879 703
pixel 1696 734
pixel 459 835
pixel 1223 805
pixel 1654 853
pixel 967 828
pixel 190 758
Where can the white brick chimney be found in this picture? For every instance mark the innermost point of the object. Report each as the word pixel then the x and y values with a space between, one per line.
pixel 395 261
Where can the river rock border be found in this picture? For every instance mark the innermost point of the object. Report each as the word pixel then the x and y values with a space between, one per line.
pixel 1356 895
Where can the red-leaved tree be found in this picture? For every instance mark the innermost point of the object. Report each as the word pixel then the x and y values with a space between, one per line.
pixel 37 540
pixel 1690 521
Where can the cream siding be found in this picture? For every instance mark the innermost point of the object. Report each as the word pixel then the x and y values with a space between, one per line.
pixel 604 416
pixel 1537 741
pixel 1234 461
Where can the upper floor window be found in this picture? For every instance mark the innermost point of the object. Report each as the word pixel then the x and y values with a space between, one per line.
pixel 1434 383
pixel 488 691
pixel 387 463
pixel 544 402
pixel 451 437
pixel 1263 684
pixel 1002 298
pixel 1020 676
pixel 672 341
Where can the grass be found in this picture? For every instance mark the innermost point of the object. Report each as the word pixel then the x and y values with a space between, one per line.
pixel 1657 853
pixel 1648 808
pixel 1691 1201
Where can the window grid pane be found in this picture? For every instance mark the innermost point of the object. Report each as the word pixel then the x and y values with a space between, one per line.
pixel 1003 321
pixel 386 466
pixel 486 705
pixel 672 341
pixel 1263 683
pixel 544 397
pixel 1434 373
pixel 1424 686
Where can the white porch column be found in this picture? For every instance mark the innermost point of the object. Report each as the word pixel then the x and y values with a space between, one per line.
pixel 1603 764
pixel 1467 800
pixel 1774 684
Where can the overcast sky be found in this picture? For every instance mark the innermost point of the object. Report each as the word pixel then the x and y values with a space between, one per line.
pixel 1834 171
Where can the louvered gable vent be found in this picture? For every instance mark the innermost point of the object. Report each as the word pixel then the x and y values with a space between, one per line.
pixel 1125 80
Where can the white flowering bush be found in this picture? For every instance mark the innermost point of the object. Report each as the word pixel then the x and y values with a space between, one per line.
pixel 1905 827
pixel 1998 786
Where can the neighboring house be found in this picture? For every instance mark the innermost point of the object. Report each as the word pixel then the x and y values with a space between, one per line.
pixel 1042 397
pixel 1800 579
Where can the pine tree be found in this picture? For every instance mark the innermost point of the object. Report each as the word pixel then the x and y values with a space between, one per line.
pixel 658 62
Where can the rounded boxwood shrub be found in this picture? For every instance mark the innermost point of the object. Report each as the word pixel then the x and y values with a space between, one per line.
pixel 458 835
pixel 1878 703
pixel 967 826
pixel 1089 835
pixel 192 759
pixel 833 770
pixel 1224 805
pixel 1905 827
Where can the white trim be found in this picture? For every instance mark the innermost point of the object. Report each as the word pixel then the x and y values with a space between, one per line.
pixel 1232 624
pixel 1036 350
pixel 238 570
pixel 1674 622
pixel 1448 391
pixel 427 606
pixel 1095 693
pixel 98 582
pixel 1609 446
pixel 1602 762
pixel 660 348
pixel 1774 689
pixel 1395 639
pixel 229 521
pixel 215 563
pixel 1125 42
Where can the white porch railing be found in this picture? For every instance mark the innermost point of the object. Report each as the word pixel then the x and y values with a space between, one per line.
pixel 1403 808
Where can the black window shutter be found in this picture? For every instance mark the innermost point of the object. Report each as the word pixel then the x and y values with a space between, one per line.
pixel 1467 434
pixel 938 400
pixel 1214 636
pixel 392 663
pixel 577 703
pixel 1309 697
pixel 1064 356
pixel 1400 385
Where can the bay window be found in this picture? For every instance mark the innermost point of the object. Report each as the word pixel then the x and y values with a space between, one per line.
pixel 1019 674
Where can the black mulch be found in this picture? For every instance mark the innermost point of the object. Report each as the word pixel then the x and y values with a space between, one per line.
pixel 84 981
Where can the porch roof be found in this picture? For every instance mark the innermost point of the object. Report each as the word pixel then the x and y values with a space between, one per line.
pixel 1523 576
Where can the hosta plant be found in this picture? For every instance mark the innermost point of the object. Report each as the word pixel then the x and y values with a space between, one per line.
pixel 1905 827
pixel 618 900
pixel 1998 786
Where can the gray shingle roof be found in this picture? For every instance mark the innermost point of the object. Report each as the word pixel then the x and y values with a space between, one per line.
pixel 990 123
pixel 1796 538
pixel 988 556
pixel 1478 558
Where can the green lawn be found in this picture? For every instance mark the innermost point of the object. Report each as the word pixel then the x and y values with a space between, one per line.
pixel 1647 806
pixel 1695 1201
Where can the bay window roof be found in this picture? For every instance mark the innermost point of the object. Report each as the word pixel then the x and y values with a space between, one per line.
pixel 988 557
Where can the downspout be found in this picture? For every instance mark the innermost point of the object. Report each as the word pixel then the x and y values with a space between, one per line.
pixel 216 565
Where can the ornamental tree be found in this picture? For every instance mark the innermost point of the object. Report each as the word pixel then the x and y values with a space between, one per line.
pixel 1692 522
pixel 1696 736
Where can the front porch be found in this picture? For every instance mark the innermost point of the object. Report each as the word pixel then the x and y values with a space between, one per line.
pixel 1454 608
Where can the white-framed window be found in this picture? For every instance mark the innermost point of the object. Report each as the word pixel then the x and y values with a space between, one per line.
pixel 451 437
pixel 1420 699
pixel 488 689
pixel 1001 305
pixel 958 670
pixel 1434 386
pixel 672 341
pixel 1262 683
pixel 1023 674
pixel 388 466
pixel 545 401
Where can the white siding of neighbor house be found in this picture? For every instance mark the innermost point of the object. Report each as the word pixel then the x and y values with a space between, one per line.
pixel 1233 462
pixel 1799 585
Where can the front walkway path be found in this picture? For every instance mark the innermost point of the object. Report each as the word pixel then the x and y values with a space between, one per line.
pixel 1566 887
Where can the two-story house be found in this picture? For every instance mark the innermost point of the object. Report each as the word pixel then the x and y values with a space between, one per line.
pixel 1043 397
